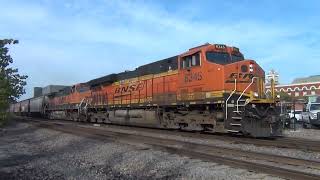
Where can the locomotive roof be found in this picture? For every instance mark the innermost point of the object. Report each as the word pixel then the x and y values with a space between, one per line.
pixel 62 92
pixel 152 68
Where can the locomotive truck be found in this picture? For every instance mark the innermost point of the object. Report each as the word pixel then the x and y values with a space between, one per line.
pixel 208 88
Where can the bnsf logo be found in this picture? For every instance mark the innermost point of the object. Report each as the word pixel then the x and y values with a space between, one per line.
pixel 129 88
pixel 241 76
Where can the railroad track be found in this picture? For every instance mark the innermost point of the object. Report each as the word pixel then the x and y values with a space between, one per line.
pixel 259 162
pixel 281 142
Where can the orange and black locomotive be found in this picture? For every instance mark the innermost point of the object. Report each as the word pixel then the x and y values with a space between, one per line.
pixel 208 88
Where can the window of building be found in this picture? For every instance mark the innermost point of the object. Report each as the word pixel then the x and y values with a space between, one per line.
pixel 313 93
pixel 296 94
pixel 304 93
pixel 289 94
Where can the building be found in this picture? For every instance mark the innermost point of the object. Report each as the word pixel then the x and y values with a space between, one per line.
pixel 315 78
pixel 300 87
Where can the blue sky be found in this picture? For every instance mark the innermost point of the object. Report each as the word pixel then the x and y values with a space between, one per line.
pixel 70 41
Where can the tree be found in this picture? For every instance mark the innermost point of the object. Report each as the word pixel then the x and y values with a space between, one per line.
pixel 285 97
pixel 11 82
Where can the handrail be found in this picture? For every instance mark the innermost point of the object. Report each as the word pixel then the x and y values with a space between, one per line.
pixel 79 107
pixel 252 81
pixel 235 88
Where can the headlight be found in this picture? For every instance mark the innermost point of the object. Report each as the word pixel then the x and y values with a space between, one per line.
pixel 314 116
pixel 251 67
pixel 255 94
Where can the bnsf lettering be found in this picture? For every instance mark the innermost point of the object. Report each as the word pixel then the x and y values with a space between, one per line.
pixel 193 77
pixel 129 88
pixel 241 76
pixel 244 77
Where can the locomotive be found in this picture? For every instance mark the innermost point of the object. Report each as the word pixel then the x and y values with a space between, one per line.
pixel 209 88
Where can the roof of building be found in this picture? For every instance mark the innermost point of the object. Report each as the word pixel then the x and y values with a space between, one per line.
pixel 309 79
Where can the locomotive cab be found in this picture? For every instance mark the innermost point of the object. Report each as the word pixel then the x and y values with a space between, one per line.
pixel 219 68
pixel 218 74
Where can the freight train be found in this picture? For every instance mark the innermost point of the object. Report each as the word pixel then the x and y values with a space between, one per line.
pixel 209 88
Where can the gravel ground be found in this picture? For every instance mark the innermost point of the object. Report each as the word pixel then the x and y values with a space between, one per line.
pixel 311 134
pixel 214 142
pixel 27 152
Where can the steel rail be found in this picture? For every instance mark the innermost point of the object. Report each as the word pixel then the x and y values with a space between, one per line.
pixel 199 151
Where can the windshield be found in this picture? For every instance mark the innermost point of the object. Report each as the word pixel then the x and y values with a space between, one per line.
pixel 315 107
pixel 236 58
pixel 218 57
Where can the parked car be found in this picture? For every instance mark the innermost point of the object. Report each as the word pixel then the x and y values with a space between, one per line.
pixel 311 115
pixel 296 115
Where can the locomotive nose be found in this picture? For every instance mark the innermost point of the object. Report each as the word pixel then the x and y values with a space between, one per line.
pixel 256 77
pixel 248 66
pixel 247 76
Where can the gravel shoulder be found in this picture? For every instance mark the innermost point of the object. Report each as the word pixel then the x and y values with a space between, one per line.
pixel 294 153
pixel 310 134
pixel 28 152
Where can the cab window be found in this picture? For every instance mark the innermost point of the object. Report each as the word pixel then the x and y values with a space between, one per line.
pixel 190 61
pixel 218 57
pixel 82 89
pixel 237 57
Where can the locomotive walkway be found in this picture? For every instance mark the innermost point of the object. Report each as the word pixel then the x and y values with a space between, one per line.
pixel 277 165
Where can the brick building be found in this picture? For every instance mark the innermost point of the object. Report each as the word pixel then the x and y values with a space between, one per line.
pixel 300 87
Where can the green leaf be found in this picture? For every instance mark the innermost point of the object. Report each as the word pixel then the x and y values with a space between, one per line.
pixel 11 82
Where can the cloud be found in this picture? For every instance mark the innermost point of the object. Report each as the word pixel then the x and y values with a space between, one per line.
pixel 25 16
pixel 65 42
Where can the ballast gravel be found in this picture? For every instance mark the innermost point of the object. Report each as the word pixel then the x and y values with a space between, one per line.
pixel 310 134
pixel 294 153
pixel 28 152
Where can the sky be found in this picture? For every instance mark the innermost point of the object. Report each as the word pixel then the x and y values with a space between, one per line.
pixel 70 41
